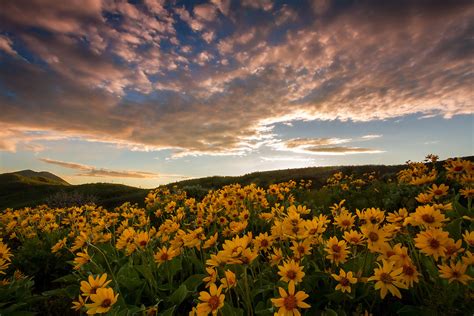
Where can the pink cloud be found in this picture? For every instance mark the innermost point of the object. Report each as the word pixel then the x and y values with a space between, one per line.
pixel 6 45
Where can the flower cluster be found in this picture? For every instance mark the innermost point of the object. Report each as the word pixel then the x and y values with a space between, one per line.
pixel 243 249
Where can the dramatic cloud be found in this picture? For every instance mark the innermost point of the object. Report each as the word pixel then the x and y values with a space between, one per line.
pixel 212 79
pixel 89 171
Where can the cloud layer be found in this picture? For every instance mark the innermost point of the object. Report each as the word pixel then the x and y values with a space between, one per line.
pixel 89 171
pixel 214 78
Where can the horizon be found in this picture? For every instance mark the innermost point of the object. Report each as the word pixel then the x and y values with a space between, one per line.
pixel 150 92
pixel 217 175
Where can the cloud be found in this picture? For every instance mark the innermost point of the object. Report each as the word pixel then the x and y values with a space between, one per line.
pixel 287 158
pixel 12 137
pixel 371 136
pixel 321 146
pixel 89 171
pixel 194 24
pixel 310 142
pixel 265 5
pixel 223 5
pixel 342 150
pixel 431 142
pixel 6 45
pixel 205 11
pixel 122 73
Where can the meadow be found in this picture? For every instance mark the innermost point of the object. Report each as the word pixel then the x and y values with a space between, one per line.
pixel 363 244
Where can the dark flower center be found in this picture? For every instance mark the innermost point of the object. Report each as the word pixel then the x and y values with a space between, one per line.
pixel 434 244
pixel 106 303
pixel 291 274
pixel 386 278
pixel 344 282
pixel 458 168
pixel 290 302
pixel 373 236
pixel 408 270
pixel 213 302
pixel 336 248
pixel 428 218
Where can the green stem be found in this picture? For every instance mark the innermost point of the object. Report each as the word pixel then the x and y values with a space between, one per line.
pixel 247 293
pixel 110 269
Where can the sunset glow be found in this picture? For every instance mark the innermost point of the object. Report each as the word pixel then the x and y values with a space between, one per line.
pixel 150 92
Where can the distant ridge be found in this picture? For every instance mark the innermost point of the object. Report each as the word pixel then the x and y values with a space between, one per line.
pixel 317 175
pixel 41 177
pixel 30 188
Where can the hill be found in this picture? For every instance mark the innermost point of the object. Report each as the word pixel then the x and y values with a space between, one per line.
pixel 31 177
pixel 30 188
pixel 318 175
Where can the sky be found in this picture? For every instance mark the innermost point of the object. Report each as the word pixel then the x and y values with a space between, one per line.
pixel 150 92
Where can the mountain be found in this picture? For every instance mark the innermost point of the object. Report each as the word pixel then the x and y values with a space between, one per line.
pixel 30 188
pixel 32 177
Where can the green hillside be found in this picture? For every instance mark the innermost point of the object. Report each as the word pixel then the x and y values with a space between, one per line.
pixel 316 174
pixel 30 188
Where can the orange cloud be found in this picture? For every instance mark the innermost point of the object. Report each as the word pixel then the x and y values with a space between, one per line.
pixel 89 171
pixel 114 82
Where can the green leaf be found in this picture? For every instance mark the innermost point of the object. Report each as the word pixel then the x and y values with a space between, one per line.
pixel 263 309
pixel 329 312
pixel 409 310
pixel 262 289
pixel 69 291
pixel 454 229
pixel 194 281
pixel 128 277
pixel 168 312
pixel 228 310
pixel 336 296
pixel 144 271
pixel 174 266
pixel 429 265
pixel 179 295
pixel 461 210
pixel 70 278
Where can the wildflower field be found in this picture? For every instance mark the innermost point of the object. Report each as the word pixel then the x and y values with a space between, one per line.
pixel 361 245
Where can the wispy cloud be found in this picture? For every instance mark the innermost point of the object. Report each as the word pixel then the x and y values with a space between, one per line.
pixel 90 171
pixel 431 142
pixel 287 158
pixel 322 146
pixel 371 136
pixel 6 45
